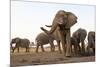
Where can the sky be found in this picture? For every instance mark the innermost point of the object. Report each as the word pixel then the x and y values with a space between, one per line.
pixel 28 17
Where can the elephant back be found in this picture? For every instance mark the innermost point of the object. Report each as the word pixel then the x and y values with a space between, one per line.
pixel 80 34
pixel 43 38
pixel 24 43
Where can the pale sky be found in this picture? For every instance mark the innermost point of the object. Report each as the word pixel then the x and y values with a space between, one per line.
pixel 28 17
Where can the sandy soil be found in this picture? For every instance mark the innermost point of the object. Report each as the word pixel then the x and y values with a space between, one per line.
pixel 47 57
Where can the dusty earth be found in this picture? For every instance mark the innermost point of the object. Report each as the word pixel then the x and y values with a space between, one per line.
pixel 32 58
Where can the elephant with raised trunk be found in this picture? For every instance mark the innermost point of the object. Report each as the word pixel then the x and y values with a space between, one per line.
pixel 80 36
pixel 91 42
pixel 62 22
pixel 24 43
pixel 43 39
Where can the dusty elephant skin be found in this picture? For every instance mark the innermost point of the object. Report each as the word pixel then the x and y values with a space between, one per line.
pixel 20 43
pixel 63 20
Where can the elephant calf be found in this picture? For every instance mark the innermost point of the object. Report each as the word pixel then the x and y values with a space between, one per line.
pixel 20 43
pixel 43 39
pixel 91 41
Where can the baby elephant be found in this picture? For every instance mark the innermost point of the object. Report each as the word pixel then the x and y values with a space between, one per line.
pixel 43 39
pixel 91 41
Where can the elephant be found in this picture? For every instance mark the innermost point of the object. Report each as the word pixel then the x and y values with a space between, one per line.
pixel 91 41
pixel 80 36
pixel 20 43
pixel 43 39
pixel 63 21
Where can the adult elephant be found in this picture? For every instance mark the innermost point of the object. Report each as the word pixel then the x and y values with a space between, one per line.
pixel 91 42
pixel 63 21
pixel 80 36
pixel 20 43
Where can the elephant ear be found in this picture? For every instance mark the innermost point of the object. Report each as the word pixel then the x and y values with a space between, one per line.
pixel 71 19
pixel 59 18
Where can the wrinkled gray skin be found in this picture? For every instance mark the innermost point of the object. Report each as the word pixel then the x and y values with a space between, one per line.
pixel 24 43
pixel 63 21
pixel 91 42
pixel 80 36
pixel 43 39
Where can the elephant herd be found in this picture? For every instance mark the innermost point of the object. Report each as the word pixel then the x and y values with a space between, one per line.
pixel 60 32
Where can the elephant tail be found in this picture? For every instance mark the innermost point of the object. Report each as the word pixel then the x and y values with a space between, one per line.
pixel 47 32
pixel 48 25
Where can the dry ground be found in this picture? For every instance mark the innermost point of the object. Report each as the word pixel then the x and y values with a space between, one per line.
pixel 47 57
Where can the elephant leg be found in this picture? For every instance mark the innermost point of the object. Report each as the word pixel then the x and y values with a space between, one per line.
pixel 83 48
pixel 94 51
pixel 68 43
pixel 88 50
pixel 75 49
pixel 37 47
pixel 18 49
pixel 52 46
pixel 14 48
pixel 63 42
pixel 27 49
pixel 79 48
pixel 42 48
pixel 71 48
pixel 59 48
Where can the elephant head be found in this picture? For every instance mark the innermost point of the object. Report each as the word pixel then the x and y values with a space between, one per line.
pixel 14 40
pixel 62 22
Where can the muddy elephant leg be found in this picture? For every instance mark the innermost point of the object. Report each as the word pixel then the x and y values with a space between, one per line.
pixel 68 43
pixel 42 48
pixel 59 48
